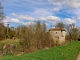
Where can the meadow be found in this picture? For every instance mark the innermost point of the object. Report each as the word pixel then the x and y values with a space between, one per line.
pixel 68 52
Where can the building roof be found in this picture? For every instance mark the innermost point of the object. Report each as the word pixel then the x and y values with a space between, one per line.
pixel 57 29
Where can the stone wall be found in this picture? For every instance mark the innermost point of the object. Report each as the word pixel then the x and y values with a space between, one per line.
pixel 58 37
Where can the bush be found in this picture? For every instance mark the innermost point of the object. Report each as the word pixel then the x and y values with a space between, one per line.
pixel 8 54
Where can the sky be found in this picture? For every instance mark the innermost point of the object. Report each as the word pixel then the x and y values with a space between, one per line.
pixel 26 12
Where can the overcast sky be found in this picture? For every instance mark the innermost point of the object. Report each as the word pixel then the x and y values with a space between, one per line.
pixel 25 12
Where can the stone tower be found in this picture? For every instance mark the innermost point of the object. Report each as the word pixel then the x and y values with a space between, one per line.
pixel 57 35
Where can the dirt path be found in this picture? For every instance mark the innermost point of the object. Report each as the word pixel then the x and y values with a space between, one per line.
pixel 78 58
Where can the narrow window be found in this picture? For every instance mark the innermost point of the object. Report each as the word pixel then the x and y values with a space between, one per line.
pixel 58 37
pixel 62 36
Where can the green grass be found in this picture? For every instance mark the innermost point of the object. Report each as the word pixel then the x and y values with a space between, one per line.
pixel 10 41
pixel 69 52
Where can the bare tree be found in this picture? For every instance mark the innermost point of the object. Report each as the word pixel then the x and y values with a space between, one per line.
pixel 34 37
pixel 2 28
pixel 2 31
pixel 60 25
pixel 73 32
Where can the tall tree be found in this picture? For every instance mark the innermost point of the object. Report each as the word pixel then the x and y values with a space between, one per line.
pixel 2 28
pixel 72 31
pixel 2 31
pixel 38 34
pixel 60 25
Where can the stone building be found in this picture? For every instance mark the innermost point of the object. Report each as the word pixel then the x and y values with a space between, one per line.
pixel 57 35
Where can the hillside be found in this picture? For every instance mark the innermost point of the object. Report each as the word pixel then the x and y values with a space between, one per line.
pixel 69 52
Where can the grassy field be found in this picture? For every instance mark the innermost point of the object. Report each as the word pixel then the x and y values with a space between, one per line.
pixel 9 41
pixel 69 52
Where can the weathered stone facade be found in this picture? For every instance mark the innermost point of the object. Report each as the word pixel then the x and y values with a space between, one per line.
pixel 57 35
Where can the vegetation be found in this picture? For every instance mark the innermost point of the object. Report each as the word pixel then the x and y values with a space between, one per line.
pixel 71 29
pixel 9 41
pixel 60 25
pixel 2 31
pixel 68 52
pixel 35 37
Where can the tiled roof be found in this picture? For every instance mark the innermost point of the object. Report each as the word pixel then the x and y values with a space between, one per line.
pixel 57 29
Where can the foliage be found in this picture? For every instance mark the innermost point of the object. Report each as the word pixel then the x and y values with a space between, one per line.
pixel 12 33
pixel 33 37
pixel 2 31
pixel 73 32
pixel 68 52
pixel 8 54
pixel 60 25
pixel 10 41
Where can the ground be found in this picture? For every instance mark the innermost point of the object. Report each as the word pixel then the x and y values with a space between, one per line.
pixel 68 52
pixel 78 58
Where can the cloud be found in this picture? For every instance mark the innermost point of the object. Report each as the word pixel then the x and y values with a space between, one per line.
pixel 78 18
pixel 49 18
pixel 45 10
pixel 67 3
pixel 73 3
pixel 28 23
pixel 12 20
pixel 37 1
pixel 42 12
pixel 59 4
pixel 30 18
pixel 69 21
pixel 56 8
pixel 14 14
pixel 15 20
pixel 19 19
pixel 23 17
pixel 75 11
pixel 53 18
pixel 42 18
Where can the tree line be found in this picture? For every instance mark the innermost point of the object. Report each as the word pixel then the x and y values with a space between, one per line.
pixel 36 37
pixel 73 33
